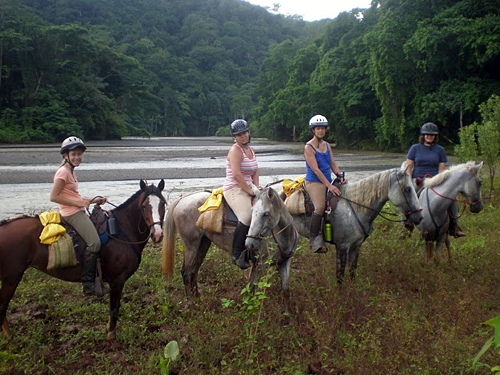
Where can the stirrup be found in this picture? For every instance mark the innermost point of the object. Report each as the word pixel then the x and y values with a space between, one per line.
pixel 241 261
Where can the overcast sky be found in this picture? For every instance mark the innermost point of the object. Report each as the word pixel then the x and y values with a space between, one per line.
pixel 312 10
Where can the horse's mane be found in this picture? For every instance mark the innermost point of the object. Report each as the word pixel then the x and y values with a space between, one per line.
pixel 129 201
pixel 441 177
pixel 16 217
pixel 368 189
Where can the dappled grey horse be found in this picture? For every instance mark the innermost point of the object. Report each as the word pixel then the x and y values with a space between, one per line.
pixel 436 197
pixel 360 203
pixel 270 219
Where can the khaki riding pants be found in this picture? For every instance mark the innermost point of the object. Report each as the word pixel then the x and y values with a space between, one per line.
pixel 85 228
pixel 241 203
pixel 317 193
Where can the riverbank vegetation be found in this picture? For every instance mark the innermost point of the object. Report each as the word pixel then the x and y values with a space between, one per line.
pixel 106 69
pixel 397 316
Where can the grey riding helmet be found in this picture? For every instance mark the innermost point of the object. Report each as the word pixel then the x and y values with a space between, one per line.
pixel 429 128
pixel 239 126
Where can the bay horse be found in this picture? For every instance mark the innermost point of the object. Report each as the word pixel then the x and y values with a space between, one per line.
pixel 138 218
pixel 269 216
pixel 436 197
pixel 358 206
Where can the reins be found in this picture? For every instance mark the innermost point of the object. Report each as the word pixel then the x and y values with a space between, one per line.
pixel 382 213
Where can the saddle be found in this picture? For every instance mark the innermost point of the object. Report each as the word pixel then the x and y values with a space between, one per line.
pixel 66 247
pixel 214 220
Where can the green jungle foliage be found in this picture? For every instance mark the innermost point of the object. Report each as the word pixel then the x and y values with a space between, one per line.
pixel 112 68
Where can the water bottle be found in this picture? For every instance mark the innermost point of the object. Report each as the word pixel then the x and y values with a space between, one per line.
pixel 113 230
pixel 328 232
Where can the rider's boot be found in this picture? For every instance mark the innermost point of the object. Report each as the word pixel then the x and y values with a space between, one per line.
pixel 454 229
pixel 315 236
pixel 239 254
pixel 88 271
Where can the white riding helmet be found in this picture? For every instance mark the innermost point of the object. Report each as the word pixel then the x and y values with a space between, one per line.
pixel 318 120
pixel 72 143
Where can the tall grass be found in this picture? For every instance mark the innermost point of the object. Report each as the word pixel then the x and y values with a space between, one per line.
pixel 396 317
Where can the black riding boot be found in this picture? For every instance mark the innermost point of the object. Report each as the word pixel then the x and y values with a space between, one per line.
pixel 238 253
pixel 88 272
pixel 454 229
pixel 316 239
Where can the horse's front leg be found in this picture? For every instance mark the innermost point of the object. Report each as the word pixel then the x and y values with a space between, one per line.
pixel 427 252
pixel 9 286
pixel 284 271
pixel 437 253
pixel 115 296
pixel 5 327
pixel 353 260
pixel 341 258
pixel 448 247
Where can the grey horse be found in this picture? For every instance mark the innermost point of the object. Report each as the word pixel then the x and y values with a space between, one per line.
pixel 358 206
pixel 269 217
pixel 436 197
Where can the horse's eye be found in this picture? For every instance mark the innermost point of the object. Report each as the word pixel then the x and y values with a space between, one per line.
pixel 407 189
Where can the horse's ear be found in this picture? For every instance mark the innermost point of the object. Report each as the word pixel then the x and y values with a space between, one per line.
pixel 477 168
pixel 161 185
pixel 404 166
pixel 142 184
pixel 271 194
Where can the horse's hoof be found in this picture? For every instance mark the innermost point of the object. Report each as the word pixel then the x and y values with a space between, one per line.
pixel 111 335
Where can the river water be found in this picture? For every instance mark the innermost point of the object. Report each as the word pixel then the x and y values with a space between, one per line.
pixel 113 169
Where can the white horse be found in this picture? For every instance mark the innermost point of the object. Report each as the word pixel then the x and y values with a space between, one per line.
pixel 436 197
pixel 358 206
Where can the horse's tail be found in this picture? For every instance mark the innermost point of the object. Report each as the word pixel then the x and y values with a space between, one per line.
pixel 168 244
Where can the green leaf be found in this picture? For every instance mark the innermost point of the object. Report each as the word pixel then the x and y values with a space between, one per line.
pixel 171 350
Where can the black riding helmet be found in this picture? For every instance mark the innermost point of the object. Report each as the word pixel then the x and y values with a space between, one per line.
pixel 239 126
pixel 429 128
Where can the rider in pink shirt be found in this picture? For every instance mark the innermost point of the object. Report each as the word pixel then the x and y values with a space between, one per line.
pixel 72 207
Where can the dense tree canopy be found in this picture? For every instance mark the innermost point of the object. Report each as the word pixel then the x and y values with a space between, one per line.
pixel 110 68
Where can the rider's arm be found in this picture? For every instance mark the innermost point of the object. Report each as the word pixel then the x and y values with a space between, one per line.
pixel 442 167
pixel 410 165
pixel 313 164
pixel 334 167
pixel 55 196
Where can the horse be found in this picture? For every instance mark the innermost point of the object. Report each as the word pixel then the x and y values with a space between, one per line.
pixel 436 197
pixel 269 215
pixel 357 207
pixel 138 219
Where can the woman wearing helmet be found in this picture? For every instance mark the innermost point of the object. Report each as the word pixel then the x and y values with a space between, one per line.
pixel 319 164
pixel 240 186
pixel 72 207
pixel 426 159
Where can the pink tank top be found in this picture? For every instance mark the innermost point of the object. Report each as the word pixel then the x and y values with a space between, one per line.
pixel 248 169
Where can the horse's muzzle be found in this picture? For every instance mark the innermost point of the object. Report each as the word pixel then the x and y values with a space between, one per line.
pixel 252 242
pixel 476 207
pixel 415 217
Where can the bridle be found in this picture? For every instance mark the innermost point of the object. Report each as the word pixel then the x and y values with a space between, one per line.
pixel 143 215
pixel 382 213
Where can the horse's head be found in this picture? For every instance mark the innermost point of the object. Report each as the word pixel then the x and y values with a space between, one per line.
pixel 265 216
pixel 153 207
pixel 471 187
pixel 402 194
